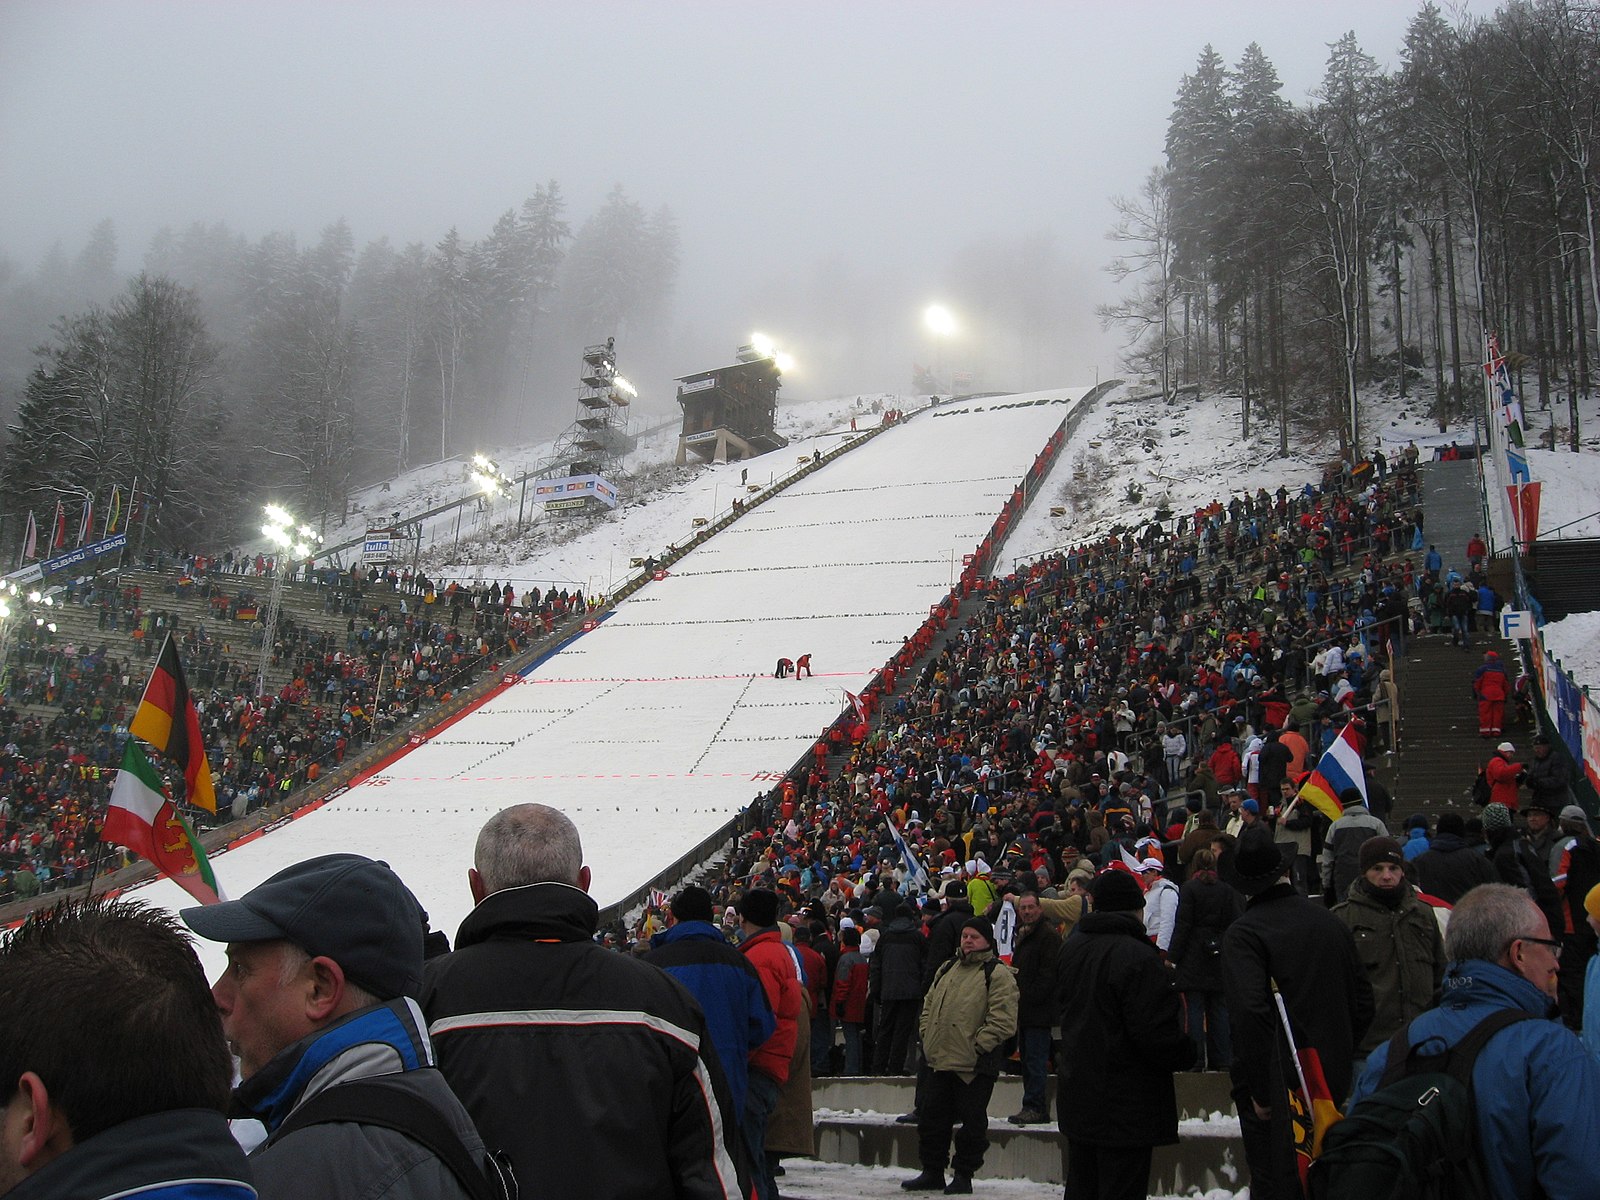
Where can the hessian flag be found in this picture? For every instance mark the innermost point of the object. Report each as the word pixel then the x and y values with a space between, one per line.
pixel 141 818
pixel 1337 769
pixel 168 721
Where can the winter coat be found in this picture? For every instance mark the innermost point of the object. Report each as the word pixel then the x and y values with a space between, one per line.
pixel 780 978
pixel 1122 1036
pixel 1341 849
pixel 790 1128
pixel 1206 907
pixel 1161 911
pixel 1066 911
pixel 1225 764
pixel 1311 954
pixel 1547 780
pixel 1503 775
pixel 1537 1094
pixel 384 1043
pixel 154 1155
pixel 850 988
pixel 623 1106
pixel 1034 960
pixel 729 991
pixel 898 961
pixel 965 1020
pixel 1489 682
pixel 1450 868
pixel 1402 953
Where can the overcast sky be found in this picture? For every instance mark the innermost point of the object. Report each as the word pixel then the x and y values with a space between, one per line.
pixel 821 157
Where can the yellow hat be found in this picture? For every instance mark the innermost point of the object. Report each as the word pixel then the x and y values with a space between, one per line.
pixel 1591 902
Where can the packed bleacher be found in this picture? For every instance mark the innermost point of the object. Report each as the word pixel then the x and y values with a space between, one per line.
pixel 356 655
pixel 1104 682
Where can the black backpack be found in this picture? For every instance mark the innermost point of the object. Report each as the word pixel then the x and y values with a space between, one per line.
pixel 1416 1136
pixel 371 1102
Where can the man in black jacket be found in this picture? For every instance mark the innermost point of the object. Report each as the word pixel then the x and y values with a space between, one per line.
pixel 1122 1037
pixel 894 989
pixel 1450 868
pixel 593 1070
pixel 1285 942
pixel 1034 958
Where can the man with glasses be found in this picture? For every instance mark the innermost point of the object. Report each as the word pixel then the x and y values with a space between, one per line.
pixel 1537 1094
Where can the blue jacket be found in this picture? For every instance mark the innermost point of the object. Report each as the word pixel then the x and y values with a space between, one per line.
pixel 1537 1092
pixel 1591 1008
pixel 729 989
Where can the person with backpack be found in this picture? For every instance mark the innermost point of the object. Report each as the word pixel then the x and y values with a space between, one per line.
pixel 968 1014
pixel 324 960
pixel 1515 1116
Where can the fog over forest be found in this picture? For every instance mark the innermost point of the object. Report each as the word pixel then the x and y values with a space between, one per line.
pixel 349 187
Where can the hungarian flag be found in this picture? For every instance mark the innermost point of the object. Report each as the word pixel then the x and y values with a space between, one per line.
pixel 168 721
pixel 141 818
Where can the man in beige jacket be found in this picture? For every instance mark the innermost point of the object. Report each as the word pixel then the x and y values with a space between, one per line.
pixel 967 1015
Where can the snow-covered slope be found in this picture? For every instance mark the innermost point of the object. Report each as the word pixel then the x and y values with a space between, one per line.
pixel 651 731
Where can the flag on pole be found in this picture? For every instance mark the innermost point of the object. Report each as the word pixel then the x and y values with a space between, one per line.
pixel 141 818
pixel 30 539
pixel 113 511
pixel 167 719
pixel 1312 1108
pixel 86 521
pixel 58 539
pixel 855 701
pixel 1338 768
pixel 915 872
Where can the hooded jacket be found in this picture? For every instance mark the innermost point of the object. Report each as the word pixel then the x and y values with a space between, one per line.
pixel 1537 1094
pixel 593 1070
pixel 780 978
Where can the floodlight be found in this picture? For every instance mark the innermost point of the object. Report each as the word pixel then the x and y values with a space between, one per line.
pixel 941 322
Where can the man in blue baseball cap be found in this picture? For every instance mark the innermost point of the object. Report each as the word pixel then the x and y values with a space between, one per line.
pixel 324 959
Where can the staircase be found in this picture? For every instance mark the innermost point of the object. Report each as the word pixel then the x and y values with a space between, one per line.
pixel 854 1119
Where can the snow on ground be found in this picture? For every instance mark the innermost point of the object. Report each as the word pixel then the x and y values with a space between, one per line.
pixel 1575 642
pixel 653 730
pixel 808 1179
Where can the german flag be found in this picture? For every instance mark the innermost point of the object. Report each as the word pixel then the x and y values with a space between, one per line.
pixel 168 721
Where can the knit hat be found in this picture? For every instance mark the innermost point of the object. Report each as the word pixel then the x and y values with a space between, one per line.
pixel 760 907
pixel 1250 806
pixel 1376 850
pixel 1116 891
pixel 1452 823
pixel 982 925
pixel 1496 816
pixel 1591 902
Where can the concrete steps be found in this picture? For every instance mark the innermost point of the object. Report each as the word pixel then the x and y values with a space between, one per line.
pixel 855 1123
pixel 1440 750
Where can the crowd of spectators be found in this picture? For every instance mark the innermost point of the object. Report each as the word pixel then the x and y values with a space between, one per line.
pixel 406 645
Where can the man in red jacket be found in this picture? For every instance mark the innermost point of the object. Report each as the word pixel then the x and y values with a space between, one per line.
pixel 1491 686
pixel 769 1062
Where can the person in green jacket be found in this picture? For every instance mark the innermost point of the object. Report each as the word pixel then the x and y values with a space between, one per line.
pixel 1397 940
pixel 967 1015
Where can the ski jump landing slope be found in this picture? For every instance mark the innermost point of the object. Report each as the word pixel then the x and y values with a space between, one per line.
pixel 656 727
